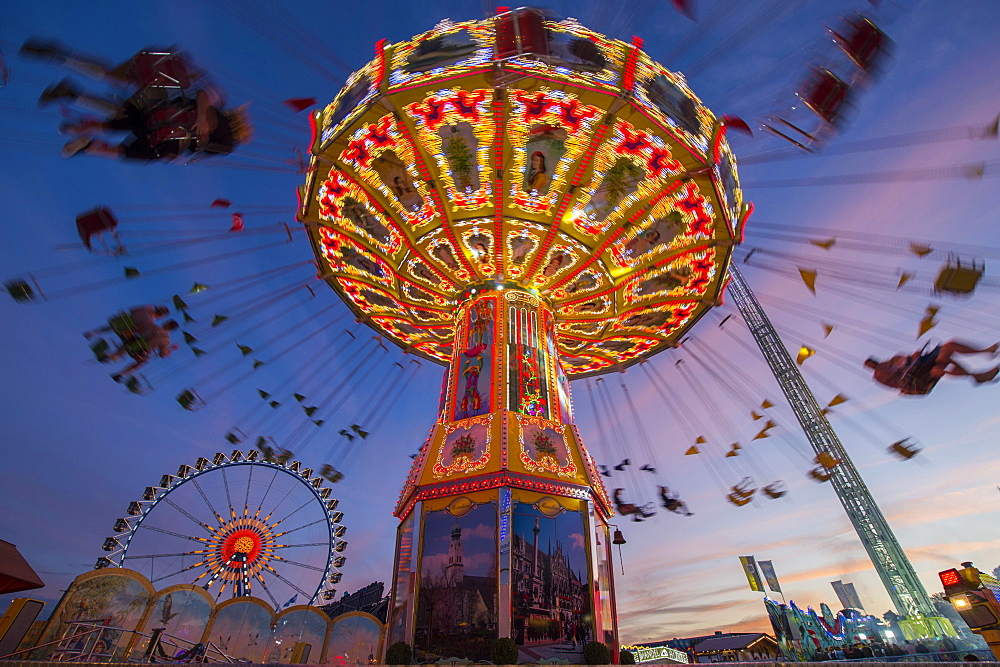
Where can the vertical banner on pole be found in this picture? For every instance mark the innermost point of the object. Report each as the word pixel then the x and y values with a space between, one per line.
pixel 769 576
pixel 753 576
pixel 838 588
pixel 852 597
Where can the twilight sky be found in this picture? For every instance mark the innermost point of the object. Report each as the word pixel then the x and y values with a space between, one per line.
pixel 77 450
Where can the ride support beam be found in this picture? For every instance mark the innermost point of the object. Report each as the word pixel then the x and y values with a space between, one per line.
pixel 901 583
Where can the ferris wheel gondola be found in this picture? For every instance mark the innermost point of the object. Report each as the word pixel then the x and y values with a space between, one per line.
pixel 258 526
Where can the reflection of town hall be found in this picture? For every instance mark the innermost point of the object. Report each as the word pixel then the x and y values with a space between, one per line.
pixel 454 600
pixel 545 584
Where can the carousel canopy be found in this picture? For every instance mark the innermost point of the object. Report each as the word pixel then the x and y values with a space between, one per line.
pixel 522 151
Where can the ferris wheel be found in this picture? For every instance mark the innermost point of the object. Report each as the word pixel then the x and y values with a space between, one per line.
pixel 236 525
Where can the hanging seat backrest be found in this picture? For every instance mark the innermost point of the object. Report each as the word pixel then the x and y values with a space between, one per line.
pixel 825 94
pixel 159 69
pixel 862 42
pixel 958 278
pixel 93 222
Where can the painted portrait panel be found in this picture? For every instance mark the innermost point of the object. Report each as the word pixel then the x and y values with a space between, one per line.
pixel 459 144
pixel 620 181
pixel 350 100
pixel 392 171
pixel 480 246
pixel 663 281
pixel 674 103
pixel 545 146
pixel 577 53
pixel 521 247
pixel 441 51
pixel 365 220
pixel 660 232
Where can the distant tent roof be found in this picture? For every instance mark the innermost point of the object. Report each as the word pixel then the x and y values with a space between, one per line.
pixel 728 643
pixel 15 573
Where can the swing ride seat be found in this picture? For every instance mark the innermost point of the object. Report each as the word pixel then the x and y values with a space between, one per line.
pixel 124 327
pixel 774 490
pixel 820 474
pixel 94 223
pixel 190 400
pixel 159 69
pixel 825 94
pixel 744 488
pixel 862 41
pixel 739 500
pixel 958 278
pixel 827 460
pixel 20 290
pixel 900 449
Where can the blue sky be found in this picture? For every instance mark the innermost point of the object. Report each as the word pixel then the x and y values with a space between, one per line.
pixel 77 449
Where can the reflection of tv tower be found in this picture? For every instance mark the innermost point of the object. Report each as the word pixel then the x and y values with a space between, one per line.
pixel 535 530
pixel 455 569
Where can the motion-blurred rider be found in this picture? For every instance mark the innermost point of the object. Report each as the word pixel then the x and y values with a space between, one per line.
pixel 163 123
pixel 917 373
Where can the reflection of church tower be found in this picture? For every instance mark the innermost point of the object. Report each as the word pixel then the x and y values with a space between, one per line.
pixel 455 569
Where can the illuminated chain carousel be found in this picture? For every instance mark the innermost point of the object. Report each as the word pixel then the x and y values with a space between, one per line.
pixel 524 201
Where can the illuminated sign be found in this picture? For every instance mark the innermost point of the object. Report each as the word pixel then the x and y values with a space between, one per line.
pixel 550 507
pixel 460 506
pixel 650 653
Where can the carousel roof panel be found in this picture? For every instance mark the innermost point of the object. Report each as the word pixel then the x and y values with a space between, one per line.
pixel 561 162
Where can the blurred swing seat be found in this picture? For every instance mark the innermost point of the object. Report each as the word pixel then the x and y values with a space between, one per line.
pixel 20 290
pixel 826 96
pixel 159 69
pixel 190 400
pixel 124 327
pixel 958 277
pixel 95 223
pixel 738 500
pixel 820 474
pixel 900 448
pixel 774 490
pixel 862 41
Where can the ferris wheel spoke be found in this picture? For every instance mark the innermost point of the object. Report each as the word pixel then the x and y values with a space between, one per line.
pixel 199 552
pixel 170 532
pixel 292 562
pixel 288 583
pixel 173 574
pixel 267 590
pixel 292 546
pixel 225 483
pixel 267 491
pixel 294 512
pixel 207 501
pixel 246 497
pixel 188 514
pixel 287 532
